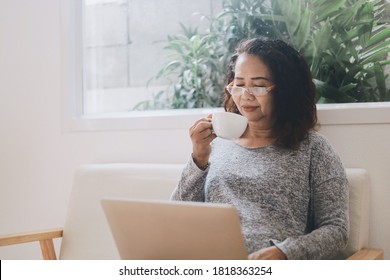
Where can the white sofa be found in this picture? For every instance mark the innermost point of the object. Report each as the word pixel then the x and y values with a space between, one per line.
pixel 86 234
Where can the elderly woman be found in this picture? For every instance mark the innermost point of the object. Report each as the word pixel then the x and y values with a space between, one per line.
pixel 285 179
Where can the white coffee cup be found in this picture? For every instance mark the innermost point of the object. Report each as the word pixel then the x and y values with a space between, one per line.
pixel 229 125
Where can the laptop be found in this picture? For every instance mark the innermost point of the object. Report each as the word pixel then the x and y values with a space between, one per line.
pixel 173 230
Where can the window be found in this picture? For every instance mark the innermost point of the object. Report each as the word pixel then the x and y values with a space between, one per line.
pixel 124 48
pixel 109 65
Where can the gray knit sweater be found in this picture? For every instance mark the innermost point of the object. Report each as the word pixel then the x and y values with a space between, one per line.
pixel 294 199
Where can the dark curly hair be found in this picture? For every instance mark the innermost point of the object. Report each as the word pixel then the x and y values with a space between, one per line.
pixel 294 111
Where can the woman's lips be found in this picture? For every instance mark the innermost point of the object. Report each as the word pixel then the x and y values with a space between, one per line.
pixel 248 108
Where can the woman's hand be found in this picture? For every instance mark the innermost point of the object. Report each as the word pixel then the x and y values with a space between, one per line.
pixel 270 253
pixel 201 134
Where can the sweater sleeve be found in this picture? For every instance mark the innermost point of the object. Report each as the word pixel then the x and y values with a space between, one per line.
pixel 328 210
pixel 191 184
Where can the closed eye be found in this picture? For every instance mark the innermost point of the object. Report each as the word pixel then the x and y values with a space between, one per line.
pixel 251 86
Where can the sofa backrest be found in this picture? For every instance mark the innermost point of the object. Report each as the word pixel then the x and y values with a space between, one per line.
pixel 86 232
pixel 359 211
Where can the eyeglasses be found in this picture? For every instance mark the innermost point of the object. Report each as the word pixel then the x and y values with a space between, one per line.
pixel 255 91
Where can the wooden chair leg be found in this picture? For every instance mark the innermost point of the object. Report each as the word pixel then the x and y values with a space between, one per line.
pixel 47 247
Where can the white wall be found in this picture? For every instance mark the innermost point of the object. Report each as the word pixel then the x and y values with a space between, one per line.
pixel 38 158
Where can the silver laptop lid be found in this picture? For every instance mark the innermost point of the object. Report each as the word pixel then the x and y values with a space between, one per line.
pixel 174 230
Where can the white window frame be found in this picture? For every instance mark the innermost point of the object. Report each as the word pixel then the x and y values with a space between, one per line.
pixel 72 95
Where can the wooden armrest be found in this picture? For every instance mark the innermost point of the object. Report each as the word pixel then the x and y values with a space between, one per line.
pixel 45 239
pixel 367 254
pixel 30 236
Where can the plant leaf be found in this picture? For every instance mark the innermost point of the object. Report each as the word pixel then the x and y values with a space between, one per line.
pixel 379 37
pixel 328 8
pixel 321 38
pixel 366 16
pixel 372 57
pixel 381 82
pixel 303 30
pixel 330 92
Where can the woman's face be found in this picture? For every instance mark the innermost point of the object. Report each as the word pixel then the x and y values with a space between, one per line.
pixel 250 71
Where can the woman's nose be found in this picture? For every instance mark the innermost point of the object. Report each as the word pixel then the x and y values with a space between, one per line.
pixel 247 95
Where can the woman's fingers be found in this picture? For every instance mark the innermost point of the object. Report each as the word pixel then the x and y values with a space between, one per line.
pixel 202 135
pixel 202 128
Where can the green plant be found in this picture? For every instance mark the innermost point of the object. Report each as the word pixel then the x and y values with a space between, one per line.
pixel 343 41
pixel 197 66
pixel 198 61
